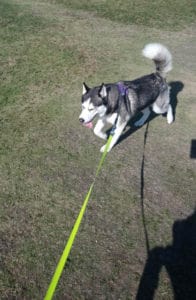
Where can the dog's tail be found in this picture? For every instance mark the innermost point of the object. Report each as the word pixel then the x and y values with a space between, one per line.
pixel 161 56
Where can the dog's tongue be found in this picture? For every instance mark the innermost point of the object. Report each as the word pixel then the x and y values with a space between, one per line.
pixel 89 125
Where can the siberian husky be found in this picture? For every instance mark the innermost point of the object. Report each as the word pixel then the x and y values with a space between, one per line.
pixel 117 103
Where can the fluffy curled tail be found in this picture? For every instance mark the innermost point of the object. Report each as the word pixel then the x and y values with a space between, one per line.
pixel 161 57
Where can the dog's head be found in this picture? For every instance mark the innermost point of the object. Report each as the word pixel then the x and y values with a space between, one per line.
pixel 93 104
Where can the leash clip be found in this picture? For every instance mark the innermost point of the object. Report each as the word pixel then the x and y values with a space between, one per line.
pixel 113 130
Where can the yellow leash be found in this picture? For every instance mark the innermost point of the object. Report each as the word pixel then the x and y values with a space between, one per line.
pixel 68 246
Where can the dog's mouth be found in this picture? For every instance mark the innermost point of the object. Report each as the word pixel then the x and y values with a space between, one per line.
pixel 88 124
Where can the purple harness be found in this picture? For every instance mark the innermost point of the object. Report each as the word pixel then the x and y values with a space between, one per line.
pixel 122 91
pixel 121 88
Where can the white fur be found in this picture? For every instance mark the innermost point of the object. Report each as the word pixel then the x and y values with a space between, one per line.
pixel 166 108
pixel 170 116
pixel 101 123
pixel 98 129
pixel 157 109
pixel 111 118
pixel 89 111
pixel 159 53
pixel 103 91
pixel 84 90
pixel 118 131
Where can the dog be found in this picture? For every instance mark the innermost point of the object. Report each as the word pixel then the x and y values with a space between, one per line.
pixel 117 103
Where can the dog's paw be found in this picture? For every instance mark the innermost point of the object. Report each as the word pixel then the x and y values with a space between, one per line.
pixel 170 118
pixel 104 136
pixel 170 121
pixel 101 135
pixel 102 149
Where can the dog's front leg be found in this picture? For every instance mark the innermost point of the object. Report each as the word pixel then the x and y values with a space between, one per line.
pixel 118 131
pixel 98 129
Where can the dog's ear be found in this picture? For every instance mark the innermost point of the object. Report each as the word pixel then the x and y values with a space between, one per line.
pixel 85 88
pixel 103 91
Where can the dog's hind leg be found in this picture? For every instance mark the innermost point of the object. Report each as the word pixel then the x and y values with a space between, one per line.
pixel 146 114
pixel 170 116
pixel 162 105
pixel 98 129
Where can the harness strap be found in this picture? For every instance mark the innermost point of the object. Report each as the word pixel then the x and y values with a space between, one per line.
pixel 122 88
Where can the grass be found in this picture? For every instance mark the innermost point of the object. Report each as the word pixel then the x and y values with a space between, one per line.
pixel 159 14
pixel 48 161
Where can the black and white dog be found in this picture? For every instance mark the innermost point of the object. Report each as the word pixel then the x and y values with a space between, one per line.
pixel 117 103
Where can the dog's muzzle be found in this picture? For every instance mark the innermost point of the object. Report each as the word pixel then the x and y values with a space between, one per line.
pixel 88 124
pixel 81 120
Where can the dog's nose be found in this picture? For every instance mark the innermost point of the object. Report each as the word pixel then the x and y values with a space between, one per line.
pixel 81 120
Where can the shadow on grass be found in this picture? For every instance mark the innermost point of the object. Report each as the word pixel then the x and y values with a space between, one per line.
pixel 193 149
pixel 176 88
pixel 179 259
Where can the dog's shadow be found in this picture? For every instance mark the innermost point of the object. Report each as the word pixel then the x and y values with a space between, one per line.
pixel 175 88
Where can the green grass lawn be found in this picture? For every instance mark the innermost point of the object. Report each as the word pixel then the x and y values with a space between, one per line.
pixel 48 161
pixel 160 14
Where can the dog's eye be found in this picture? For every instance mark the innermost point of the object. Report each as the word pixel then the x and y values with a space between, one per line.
pixel 90 109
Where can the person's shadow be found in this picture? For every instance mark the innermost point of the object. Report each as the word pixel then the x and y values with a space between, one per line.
pixel 193 149
pixel 179 259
